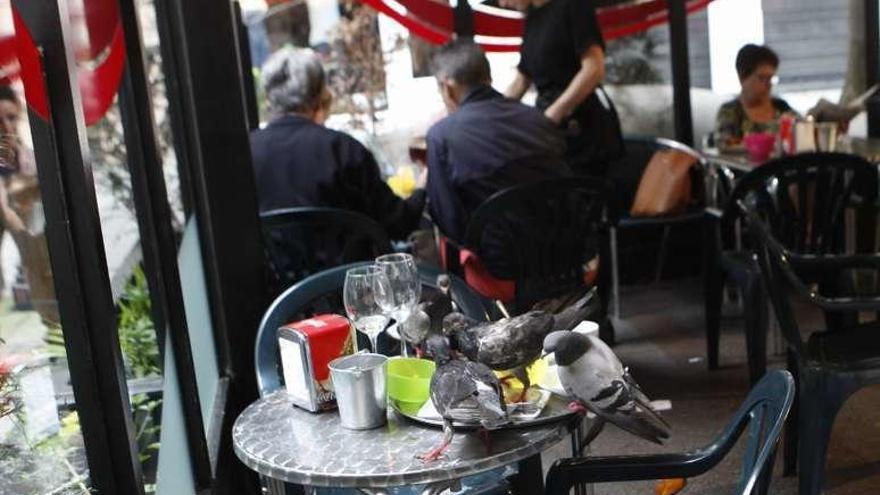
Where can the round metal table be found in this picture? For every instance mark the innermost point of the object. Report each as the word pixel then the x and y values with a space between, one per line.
pixel 286 443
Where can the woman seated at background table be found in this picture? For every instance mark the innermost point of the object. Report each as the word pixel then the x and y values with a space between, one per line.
pixel 755 109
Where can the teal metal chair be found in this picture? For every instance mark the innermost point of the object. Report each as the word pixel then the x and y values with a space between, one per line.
pixel 762 414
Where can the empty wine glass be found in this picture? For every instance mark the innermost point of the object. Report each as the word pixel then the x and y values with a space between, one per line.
pixel 405 285
pixel 365 294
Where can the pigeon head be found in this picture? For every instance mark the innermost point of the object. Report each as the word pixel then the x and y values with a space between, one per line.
pixel 437 347
pixel 415 328
pixel 566 346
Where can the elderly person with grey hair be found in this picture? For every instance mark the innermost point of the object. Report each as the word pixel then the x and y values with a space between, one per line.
pixel 299 162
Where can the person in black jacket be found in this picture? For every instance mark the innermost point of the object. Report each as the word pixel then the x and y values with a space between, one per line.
pixel 488 143
pixel 299 162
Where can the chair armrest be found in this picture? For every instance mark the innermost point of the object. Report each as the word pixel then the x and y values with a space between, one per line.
pixel 832 262
pixel 566 473
pixel 835 262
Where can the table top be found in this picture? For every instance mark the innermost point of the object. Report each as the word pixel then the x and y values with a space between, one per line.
pixel 867 148
pixel 287 443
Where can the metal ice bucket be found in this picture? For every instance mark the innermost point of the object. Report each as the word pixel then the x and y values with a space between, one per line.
pixel 359 383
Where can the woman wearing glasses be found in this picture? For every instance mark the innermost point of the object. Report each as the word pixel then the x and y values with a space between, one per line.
pixel 755 109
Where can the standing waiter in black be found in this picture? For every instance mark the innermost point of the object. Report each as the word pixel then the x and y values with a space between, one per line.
pixel 563 54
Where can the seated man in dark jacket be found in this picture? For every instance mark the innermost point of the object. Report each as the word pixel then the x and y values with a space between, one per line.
pixel 299 162
pixel 487 143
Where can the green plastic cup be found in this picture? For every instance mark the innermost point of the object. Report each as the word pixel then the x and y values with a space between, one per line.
pixel 409 382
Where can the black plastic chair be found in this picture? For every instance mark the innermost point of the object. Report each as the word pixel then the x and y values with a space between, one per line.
pixel 626 176
pixel 832 364
pixel 305 240
pixel 763 412
pixel 541 235
pixel 826 184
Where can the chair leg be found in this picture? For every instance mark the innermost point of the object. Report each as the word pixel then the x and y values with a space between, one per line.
pixel 713 287
pixel 615 275
pixel 790 442
pixel 756 319
pixel 822 395
pixel 608 284
pixel 661 257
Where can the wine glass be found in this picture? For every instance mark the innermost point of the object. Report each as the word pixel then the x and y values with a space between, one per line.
pixel 365 295
pixel 406 287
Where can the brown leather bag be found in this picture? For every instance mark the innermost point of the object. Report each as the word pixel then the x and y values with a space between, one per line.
pixel 665 187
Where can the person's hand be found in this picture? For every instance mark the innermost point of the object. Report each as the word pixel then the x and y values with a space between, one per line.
pixel 553 114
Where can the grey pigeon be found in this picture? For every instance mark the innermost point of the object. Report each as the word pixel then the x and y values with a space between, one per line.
pixel 416 328
pixel 593 375
pixel 508 344
pixel 462 391
pixel 428 316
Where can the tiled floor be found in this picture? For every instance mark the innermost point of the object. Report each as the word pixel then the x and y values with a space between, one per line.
pixel 661 338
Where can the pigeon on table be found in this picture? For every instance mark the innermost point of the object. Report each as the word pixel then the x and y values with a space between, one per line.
pixel 593 375
pixel 428 316
pixel 508 344
pixel 463 391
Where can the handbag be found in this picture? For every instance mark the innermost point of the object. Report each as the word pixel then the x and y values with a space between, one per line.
pixel 665 186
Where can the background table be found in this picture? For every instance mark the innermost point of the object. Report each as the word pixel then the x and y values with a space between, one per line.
pixel 286 443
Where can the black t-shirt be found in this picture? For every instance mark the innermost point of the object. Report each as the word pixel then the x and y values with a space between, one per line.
pixel 556 36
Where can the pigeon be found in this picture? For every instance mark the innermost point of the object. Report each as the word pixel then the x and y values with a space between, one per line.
pixel 415 329
pixel 593 375
pixel 507 344
pixel 455 322
pixel 571 309
pixel 463 391
pixel 428 316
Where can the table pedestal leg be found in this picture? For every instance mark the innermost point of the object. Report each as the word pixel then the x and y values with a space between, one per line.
pixel 530 479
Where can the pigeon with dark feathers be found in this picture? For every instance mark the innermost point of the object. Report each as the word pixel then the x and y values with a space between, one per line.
pixel 428 316
pixel 463 391
pixel 508 344
pixel 593 375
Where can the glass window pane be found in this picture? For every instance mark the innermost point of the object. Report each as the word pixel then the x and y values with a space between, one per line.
pixel 639 82
pixel 41 446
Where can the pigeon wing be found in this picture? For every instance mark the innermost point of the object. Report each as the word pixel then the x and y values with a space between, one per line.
pixel 514 342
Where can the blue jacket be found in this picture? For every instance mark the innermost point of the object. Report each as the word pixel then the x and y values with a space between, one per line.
pixel 489 144
pixel 300 163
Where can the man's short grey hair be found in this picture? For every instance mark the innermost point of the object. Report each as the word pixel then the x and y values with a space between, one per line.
pixel 293 80
pixel 462 61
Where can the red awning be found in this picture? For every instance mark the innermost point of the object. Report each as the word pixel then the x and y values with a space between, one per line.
pixel 499 30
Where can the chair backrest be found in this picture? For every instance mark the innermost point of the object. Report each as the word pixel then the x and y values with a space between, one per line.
pixel 305 240
pixel 626 173
pixel 762 414
pixel 539 235
pixel 322 293
pixel 804 198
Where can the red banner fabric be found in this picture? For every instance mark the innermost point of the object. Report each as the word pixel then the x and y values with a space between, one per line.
pixel 100 58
